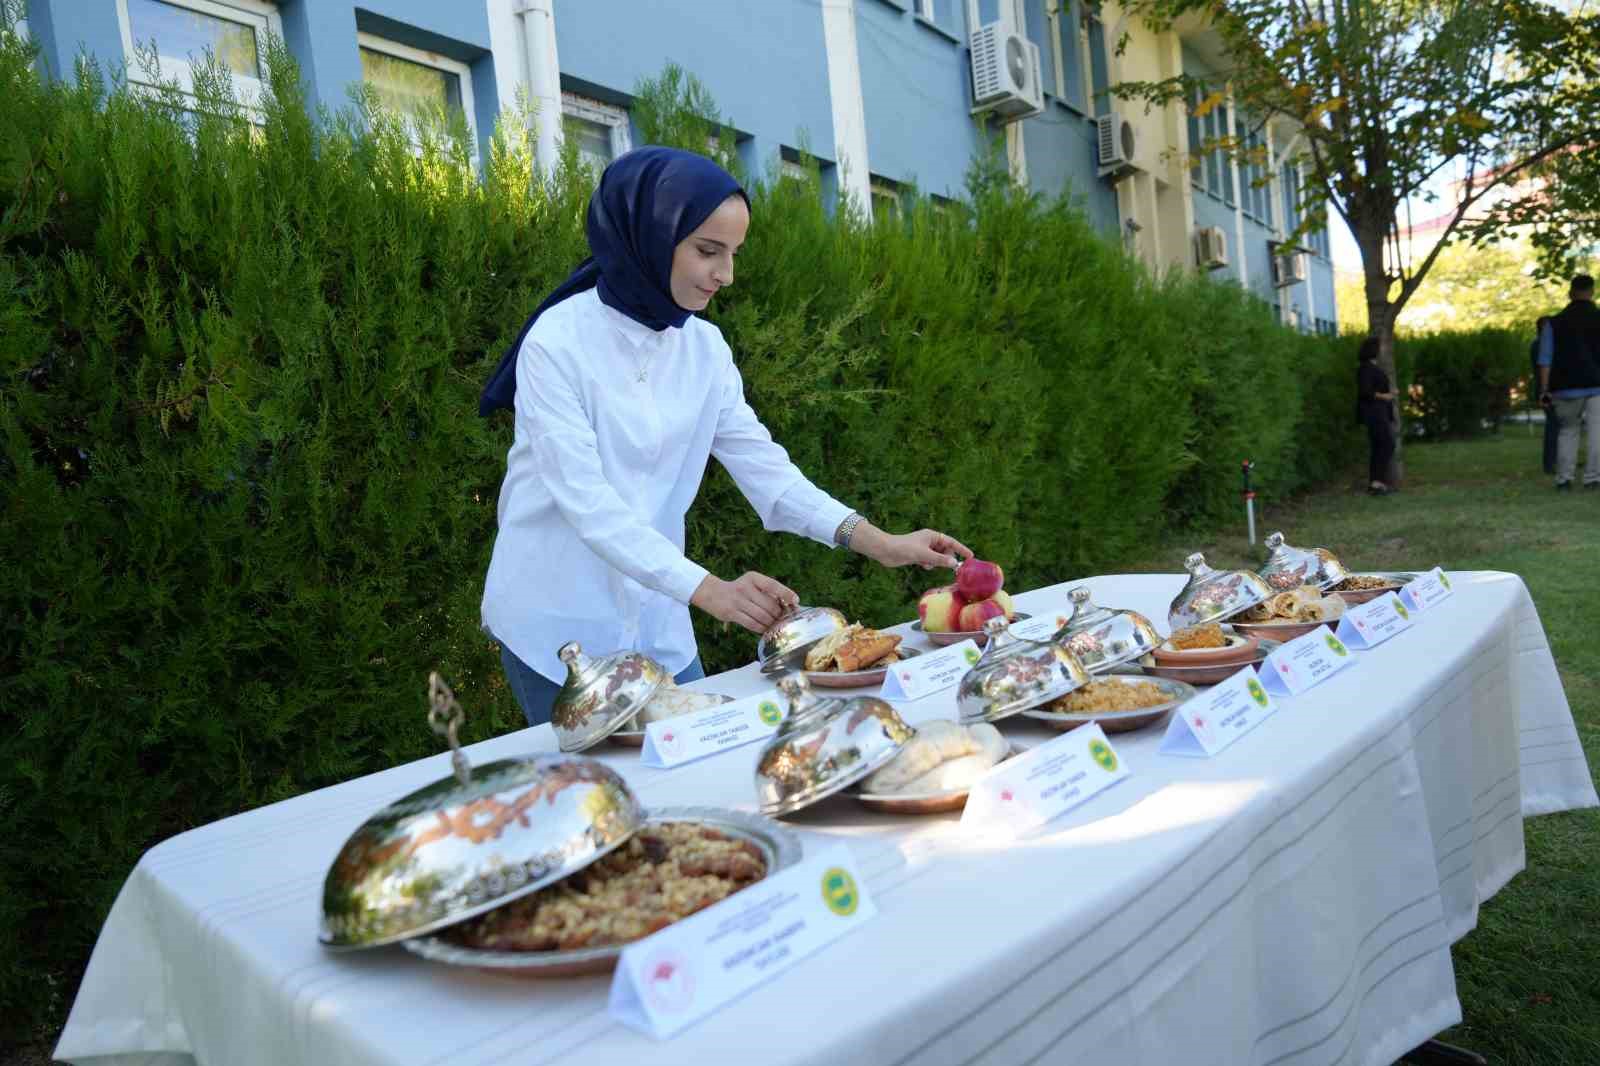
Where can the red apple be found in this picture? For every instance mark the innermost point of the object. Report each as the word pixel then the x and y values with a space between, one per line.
pixel 940 609
pixel 978 580
pixel 974 615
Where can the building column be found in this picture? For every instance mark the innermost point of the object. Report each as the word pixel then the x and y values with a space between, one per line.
pixel 522 36
pixel 849 109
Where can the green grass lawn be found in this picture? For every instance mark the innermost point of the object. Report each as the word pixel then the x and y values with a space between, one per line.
pixel 1529 975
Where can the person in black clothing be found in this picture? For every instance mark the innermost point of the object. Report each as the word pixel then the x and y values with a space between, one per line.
pixel 1552 424
pixel 1374 409
pixel 1569 380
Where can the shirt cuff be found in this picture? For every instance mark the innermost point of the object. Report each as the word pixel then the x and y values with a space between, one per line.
pixel 684 579
pixel 826 520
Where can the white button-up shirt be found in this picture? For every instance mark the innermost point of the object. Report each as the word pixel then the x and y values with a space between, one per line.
pixel 601 471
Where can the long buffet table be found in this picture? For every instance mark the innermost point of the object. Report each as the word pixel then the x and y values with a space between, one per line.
pixel 1289 902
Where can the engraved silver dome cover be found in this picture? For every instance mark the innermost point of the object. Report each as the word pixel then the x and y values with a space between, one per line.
pixel 470 842
pixel 601 695
pixel 796 629
pixel 1014 673
pixel 1288 567
pixel 1103 638
pixel 824 745
pixel 1214 595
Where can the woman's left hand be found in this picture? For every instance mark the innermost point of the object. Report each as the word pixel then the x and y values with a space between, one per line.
pixel 926 548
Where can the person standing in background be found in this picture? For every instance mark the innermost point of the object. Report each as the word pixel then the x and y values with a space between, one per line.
pixel 1552 424
pixel 1569 381
pixel 1375 410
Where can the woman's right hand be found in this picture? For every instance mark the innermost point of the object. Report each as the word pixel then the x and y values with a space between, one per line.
pixel 752 600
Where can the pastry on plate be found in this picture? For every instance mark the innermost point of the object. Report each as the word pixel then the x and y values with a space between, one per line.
pixel 670 701
pixel 943 757
pixel 855 647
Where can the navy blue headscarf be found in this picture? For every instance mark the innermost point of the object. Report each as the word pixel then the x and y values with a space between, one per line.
pixel 647 202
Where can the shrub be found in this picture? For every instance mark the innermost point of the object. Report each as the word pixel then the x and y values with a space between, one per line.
pixel 248 501
pixel 1462 384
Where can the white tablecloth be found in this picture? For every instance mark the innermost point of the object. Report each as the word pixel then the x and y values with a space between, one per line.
pixel 1289 902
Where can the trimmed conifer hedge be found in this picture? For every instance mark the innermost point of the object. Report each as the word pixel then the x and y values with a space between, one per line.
pixel 248 502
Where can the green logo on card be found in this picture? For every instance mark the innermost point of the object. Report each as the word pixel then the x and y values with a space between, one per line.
pixel 1257 693
pixel 1444 580
pixel 1334 644
pixel 839 892
pixel 1101 753
pixel 971 655
pixel 769 712
pixel 1400 608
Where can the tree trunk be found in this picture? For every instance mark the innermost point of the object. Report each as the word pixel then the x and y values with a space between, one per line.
pixel 1380 324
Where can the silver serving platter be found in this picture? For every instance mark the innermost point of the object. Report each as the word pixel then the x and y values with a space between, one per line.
pixel 824 745
pixel 1176 691
pixel 780 847
pixel 977 636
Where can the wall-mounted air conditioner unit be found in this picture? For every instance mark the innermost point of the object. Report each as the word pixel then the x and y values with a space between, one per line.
pixel 1288 265
pixel 1211 247
pixel 1117 145
pixel 1006 75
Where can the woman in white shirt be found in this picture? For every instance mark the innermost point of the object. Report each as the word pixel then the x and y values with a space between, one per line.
pixel 620 395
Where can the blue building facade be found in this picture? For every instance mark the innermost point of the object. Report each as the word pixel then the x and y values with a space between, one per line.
pixel 880 92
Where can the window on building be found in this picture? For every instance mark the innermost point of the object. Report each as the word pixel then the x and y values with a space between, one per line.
pixel 1212 169
pixel 1064 50
pixel 1099 71
pixel 941 12
pixel 600 130
pixel 885 200
pixel 183 31
pixel 1315 242
pixel 417 86
pixel 1255 196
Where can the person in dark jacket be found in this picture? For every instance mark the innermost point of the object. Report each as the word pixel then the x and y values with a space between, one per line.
pixel 1569 380
pixel 1375 410
pixel 1552 424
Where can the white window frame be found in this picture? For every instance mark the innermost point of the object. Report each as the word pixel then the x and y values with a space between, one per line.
pixel 263 17
pixel 604 114
pixel 462 71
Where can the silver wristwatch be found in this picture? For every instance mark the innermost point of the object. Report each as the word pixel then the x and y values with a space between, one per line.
pixel 847 529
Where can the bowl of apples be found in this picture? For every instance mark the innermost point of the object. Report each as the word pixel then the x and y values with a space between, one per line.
pixel 950 614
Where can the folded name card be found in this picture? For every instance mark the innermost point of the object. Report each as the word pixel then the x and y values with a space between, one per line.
pixel 1043 625
pixel 1023 793
pixel 932 672
pixel 1305 662
pixel 666 982
pixel 1216 718
pixel 1375 621
pixel 688 737
pixel 1427 590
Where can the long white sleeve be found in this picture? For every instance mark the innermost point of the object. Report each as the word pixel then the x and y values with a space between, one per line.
pixel 782 496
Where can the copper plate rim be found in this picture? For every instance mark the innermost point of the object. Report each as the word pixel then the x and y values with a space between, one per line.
pixel 780 847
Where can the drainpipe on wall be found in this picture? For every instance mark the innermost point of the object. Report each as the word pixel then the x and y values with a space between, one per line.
pixel 537 19
pixel 844 94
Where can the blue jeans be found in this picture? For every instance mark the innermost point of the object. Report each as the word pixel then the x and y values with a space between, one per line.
pixel 536 694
